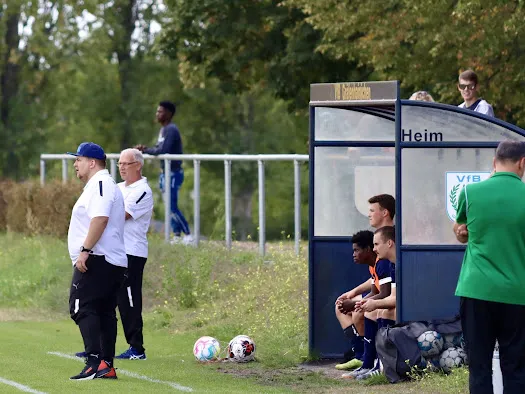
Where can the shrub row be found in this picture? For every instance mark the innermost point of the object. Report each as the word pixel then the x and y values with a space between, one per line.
pixel 30 208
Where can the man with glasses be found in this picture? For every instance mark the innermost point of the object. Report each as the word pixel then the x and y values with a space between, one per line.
pixel 468 87
pixel 138 201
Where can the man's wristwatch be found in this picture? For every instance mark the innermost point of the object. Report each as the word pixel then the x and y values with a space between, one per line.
pixel 82 249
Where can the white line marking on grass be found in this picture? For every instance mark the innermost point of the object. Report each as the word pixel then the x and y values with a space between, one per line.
pixel 174 385
pixel 20 387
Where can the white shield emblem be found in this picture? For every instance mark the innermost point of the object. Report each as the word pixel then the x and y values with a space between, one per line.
pixel 455 182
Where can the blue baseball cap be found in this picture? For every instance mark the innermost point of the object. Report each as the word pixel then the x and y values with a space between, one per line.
pixel 90 149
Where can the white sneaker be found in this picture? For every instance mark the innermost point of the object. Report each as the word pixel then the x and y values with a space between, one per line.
pixel 188 240
pixel 372 372
pixel 355 373
pixel 177 239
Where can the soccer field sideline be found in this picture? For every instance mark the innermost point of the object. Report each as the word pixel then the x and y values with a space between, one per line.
pixel 38 358
pixel 174 385
pixel 20 387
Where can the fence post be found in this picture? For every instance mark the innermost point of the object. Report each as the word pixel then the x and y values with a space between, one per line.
pixel 228 202
pixel 42 172
pixel 113 167
pixel 262 217
pixel 297 204
pixel 64 170
pixel 167 199
pixel 196 200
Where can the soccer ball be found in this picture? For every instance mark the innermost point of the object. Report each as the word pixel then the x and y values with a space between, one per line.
pixel 451 340
pixel 430 343
pixel 463 354
pixel 206 349
pixel 451 358
pixel 241 349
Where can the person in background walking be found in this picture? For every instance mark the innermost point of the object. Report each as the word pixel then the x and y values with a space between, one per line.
pixel 170 142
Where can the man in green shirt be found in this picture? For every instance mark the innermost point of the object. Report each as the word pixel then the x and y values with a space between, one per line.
pixel 491 220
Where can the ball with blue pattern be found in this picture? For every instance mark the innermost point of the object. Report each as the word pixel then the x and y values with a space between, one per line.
pixel 430 343
pixel 206 349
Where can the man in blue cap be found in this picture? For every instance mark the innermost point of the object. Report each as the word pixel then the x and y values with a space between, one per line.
pixel 96 247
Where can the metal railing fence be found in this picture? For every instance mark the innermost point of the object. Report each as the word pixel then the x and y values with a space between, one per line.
pixel 197 158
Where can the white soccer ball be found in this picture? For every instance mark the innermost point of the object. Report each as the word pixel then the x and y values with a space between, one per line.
pixel 430 343
pixel 451 358
pixel 463 355
pixel 241 349
pixel 206 349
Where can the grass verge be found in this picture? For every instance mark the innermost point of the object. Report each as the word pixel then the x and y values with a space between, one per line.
pixel 189 292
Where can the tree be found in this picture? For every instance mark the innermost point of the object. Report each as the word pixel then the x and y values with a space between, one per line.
pixel 33 36
pixel 246 43
pixel 425 44
pixel 125 26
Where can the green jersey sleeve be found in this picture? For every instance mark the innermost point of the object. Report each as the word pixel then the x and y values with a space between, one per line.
pixel 461 214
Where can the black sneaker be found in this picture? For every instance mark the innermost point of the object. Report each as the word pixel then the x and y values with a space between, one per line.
pixel 87 373
pixel 81 354
pixel 106 371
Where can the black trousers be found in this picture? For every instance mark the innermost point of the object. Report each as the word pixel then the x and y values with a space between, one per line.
pixel 130 303
pixel 92 306
pixel 483 323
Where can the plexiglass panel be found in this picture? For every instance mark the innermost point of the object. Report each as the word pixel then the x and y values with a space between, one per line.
pixel 431 182
pixel 335 124
pixel 420 124
pixel 345 178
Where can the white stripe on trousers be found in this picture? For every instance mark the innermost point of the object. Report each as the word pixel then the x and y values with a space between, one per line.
pixel 130 297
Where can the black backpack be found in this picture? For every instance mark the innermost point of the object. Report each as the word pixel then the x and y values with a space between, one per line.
pixel 398 350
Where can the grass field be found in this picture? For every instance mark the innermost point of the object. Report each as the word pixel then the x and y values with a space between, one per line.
pixel 188 293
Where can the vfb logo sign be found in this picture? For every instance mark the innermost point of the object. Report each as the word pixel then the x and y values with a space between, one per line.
pixel 455 182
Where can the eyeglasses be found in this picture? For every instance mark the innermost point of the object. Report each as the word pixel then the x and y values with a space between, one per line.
pixel 462 86
pixel 125 164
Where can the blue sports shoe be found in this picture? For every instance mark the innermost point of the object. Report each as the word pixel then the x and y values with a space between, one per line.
pixel 132 354
pixel 81 354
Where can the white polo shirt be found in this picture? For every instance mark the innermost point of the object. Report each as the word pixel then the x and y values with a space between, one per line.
pixel 101 197
pixel 138 201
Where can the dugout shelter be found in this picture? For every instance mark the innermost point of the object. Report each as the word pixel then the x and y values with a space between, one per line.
pixel 365 140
